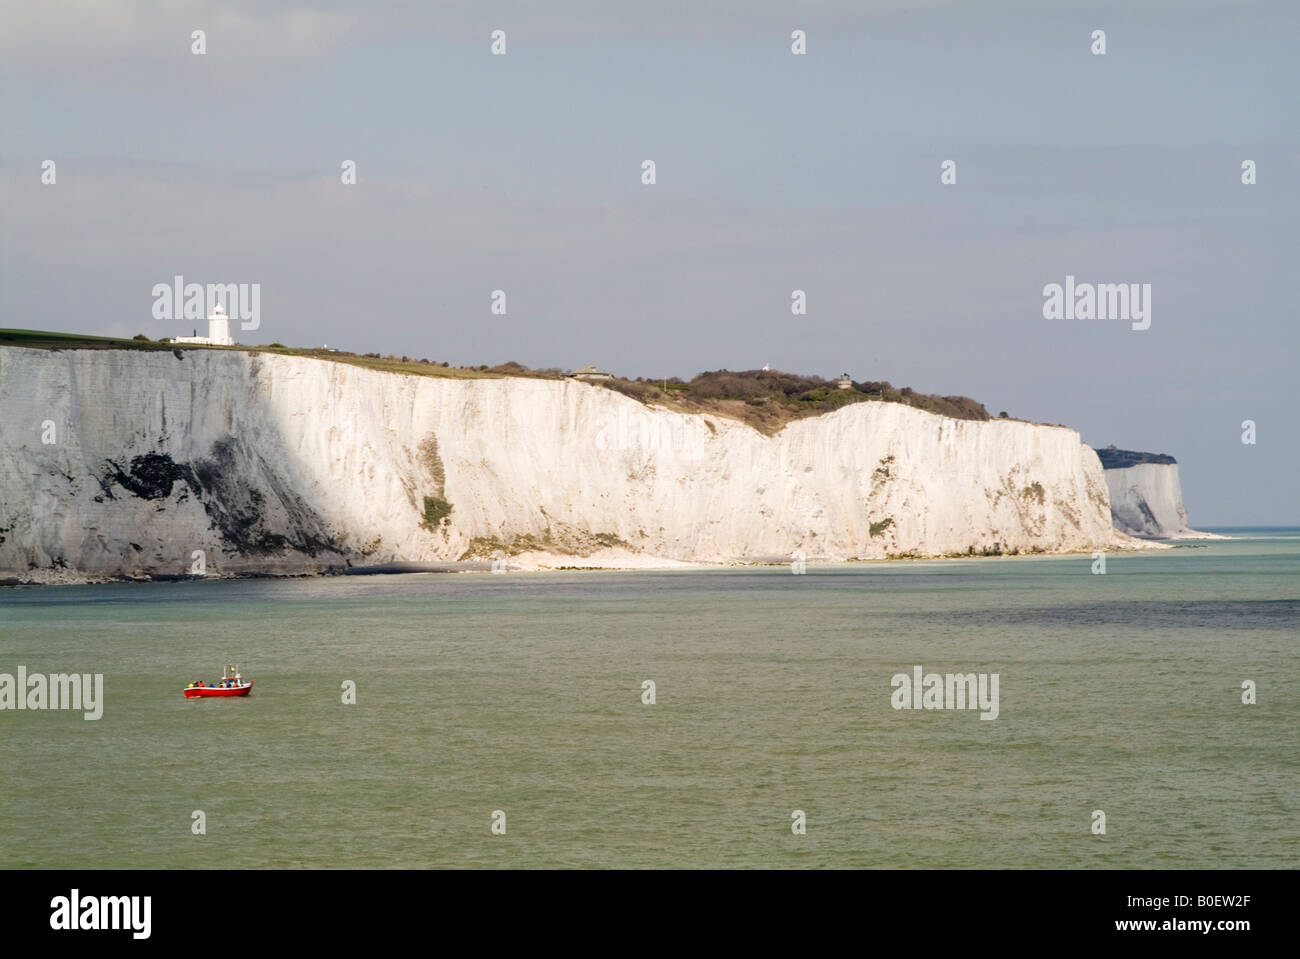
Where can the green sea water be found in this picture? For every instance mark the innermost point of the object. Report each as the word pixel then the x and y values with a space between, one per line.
pixel 523 693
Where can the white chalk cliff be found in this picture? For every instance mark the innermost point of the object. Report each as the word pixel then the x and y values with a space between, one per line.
pixel 127 463
pixel 1146 500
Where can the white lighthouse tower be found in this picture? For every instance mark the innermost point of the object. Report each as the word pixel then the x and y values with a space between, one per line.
pixel 219 328
pixel 218 331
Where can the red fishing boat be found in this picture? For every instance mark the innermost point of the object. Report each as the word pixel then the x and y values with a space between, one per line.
pixel 230 684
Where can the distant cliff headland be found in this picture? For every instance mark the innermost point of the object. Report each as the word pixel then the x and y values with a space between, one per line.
pixel 141 459
pixel 1116 459
pixel 1146 496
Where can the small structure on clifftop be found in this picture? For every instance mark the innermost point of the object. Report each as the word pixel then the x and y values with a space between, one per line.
pixel 218 331
pixel 589 372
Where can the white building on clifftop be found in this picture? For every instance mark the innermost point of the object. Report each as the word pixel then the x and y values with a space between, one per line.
pixel 218 331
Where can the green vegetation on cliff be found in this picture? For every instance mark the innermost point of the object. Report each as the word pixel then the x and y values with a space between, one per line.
pixel 765 399
pixel 1116 459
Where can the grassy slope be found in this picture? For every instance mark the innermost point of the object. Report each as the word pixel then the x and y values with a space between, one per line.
pixel 46 340
pixel 1113 459
pixel 43 340
pixel 767 414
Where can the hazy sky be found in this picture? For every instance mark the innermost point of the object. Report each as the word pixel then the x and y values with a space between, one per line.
pixel 775 172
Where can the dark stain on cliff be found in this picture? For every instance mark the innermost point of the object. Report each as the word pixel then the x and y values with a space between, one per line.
pixel 152 476
pixel 250 521
pixel 1149 516
pixel 240 512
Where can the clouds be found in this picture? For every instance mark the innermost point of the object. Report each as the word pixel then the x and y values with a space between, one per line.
pixel 137 42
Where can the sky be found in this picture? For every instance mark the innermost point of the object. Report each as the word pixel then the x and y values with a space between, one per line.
pixel 775 172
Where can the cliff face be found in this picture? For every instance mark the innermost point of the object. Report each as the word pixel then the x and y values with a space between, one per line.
pixel 1146 500
pixel 289 464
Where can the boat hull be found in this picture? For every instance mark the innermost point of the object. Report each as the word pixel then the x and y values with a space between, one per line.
pixel 196 692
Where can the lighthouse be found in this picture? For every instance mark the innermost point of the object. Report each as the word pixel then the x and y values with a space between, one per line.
pixel 218 331
pixel 219 328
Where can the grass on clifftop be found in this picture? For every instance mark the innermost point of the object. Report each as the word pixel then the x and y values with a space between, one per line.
pixel 765 399
pixel 769 399
pixel 45 340
pixel 1116 459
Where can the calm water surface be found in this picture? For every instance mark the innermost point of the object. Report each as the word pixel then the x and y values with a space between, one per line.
pixel 522 693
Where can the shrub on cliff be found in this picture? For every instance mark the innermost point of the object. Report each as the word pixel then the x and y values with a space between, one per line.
pixel 435 510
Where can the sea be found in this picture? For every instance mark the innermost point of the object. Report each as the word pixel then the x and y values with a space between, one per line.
pixel 1147 717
